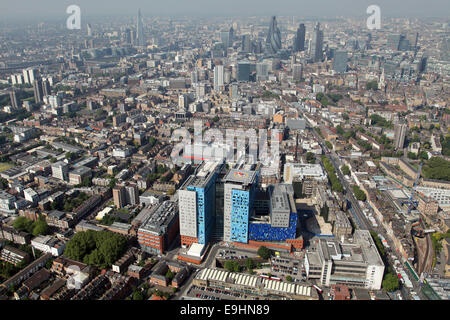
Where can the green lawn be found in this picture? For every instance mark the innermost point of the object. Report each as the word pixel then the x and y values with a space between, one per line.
pixel 5 166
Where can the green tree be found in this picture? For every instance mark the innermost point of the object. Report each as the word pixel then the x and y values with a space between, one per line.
pixel 390 282
pixel 345 170
pixel 310 158
pixel 359 194
pixel 264 252
pixel 288 278
pixel 40 227
pixel 138 295
pixel 169 275
pixel 249 264
pixel 23 224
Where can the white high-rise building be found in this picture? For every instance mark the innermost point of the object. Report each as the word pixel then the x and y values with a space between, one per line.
pixel 218 78
pixel 182 102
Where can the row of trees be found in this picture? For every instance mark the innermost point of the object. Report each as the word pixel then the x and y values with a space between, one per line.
pixel 335 183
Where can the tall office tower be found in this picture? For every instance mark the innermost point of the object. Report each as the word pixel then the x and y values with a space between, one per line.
pixel 399 136
pixel 196 200
pixel 404 44
pixel 247 45
pixel 243 71
pixel 317 44
pixel 230 37
pixel 297 71
pixel 218 78
pixel 60 170
pixel 89 30
pixel 262 71
pixel 394 41
pixel 200 90
pixel 140 37
pixel 132 194
pixel 26 79
pixel 32 75
pixel 239 192
pixel 183 102
pixel 38 94
pixel 273 40
pixel 340 61
pixel 119 196
pixel 234 92
pixel 133 36
pixel 227 37
pixel 194 76
pixel 13 98
pixel 416 42
pixel 126 36
pixel 46 90
pixel 299 44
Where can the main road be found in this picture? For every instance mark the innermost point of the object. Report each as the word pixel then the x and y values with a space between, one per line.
pixel 358 215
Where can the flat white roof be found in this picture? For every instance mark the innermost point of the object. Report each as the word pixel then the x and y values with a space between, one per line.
pixel 196 250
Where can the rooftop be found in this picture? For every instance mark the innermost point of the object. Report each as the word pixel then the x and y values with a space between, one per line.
pixel 243 177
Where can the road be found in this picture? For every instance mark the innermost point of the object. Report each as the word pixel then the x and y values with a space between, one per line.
pixel 361 220
pixel 358 215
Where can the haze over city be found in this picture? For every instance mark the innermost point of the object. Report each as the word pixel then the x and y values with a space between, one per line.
pixel 10 9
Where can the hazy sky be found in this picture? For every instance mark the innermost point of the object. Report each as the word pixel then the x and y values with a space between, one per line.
pixel 55 8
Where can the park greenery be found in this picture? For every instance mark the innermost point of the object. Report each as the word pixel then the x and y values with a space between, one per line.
pixel 379 121
pixel 328 99
pixel 71 203
pixel 437 168
pixel 36 228
pixel 96 248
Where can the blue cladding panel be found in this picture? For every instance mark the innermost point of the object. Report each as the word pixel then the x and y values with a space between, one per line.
pixel 240 211
pixel 265 232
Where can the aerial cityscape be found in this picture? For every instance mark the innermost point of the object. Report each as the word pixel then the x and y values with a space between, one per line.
pixel 257 157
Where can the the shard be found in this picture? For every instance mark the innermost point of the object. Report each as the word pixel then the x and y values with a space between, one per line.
pixel 140 38
pixel 273 41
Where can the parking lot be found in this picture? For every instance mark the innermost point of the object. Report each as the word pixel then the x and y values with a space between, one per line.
pixel 206 293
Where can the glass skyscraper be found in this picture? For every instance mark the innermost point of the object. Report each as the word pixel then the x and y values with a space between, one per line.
pixel 317 44
pixel 140 37
pixel 340 61
pixel 273 40
pixel 299 44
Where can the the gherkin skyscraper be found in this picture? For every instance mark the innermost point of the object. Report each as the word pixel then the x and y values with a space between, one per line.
pixel 273 41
